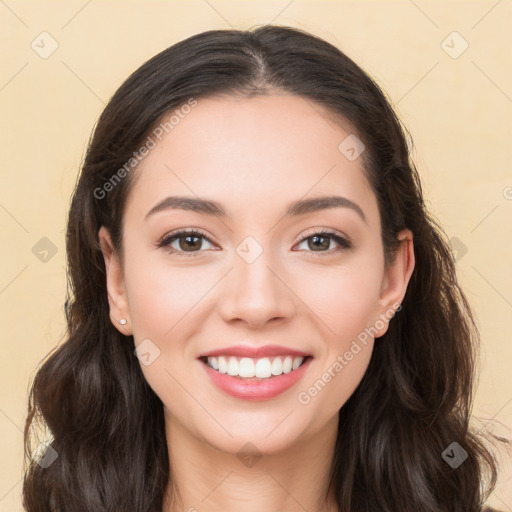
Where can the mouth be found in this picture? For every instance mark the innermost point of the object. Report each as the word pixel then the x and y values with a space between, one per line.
pixel 249 372
pixel 255 369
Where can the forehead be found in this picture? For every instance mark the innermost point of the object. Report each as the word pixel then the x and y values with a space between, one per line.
pixel 250 152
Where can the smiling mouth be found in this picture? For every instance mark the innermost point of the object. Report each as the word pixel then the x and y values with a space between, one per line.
pixel 246 368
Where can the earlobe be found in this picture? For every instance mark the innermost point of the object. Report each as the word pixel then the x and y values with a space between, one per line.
pixel 396 279
pixel 118 303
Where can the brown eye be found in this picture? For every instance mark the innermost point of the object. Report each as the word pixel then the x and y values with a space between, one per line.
pixel 321 242
pixel 190 242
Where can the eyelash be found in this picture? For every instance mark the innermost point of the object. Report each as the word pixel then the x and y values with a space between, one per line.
pixel 164 242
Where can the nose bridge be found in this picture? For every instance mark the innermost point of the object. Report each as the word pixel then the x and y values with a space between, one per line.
pixel 255 291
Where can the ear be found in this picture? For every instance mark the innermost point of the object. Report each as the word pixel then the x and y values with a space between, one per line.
pixel 115 284
pixel 396 278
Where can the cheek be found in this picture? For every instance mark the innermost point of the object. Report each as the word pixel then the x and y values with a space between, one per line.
pixel 161 302
pixel 161 297
pixel 164 302
pixel 344 299
pixel 344 303
pixel 337 375
pixel 343 362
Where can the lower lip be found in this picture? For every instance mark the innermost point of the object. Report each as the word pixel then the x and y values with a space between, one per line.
pixel 248 389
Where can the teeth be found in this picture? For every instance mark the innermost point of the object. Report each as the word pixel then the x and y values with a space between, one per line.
pixel 277 366
pixel 262 368
pixel 223 365
pixel 247 368
pixel 297 362
pixel 233 366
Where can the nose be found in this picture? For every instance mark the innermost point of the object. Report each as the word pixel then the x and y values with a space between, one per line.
pixel 257 292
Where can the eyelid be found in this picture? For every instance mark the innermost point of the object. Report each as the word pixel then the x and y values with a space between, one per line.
pixel 166 239
pixel 327 231
pixel 344 241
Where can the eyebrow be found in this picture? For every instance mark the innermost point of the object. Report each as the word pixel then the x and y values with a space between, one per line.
pixel 294 209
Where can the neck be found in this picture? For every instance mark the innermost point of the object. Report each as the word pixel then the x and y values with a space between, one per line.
pixel 204 478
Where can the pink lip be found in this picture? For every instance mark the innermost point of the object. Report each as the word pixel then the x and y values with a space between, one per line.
pixel 251 389
pixel 254 352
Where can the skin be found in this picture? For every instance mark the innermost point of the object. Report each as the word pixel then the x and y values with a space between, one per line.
pixel 254 156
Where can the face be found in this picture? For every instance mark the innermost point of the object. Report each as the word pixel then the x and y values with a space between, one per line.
pixel 258 279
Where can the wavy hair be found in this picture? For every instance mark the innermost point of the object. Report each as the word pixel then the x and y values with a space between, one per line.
pixel 107 424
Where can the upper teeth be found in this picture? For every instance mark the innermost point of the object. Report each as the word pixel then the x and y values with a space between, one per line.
pixel 260 368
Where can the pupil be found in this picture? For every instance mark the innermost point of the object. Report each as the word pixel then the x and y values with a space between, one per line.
pixel 324 238
pixel 188 244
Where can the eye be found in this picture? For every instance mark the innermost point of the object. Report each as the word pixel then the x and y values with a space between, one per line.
pixel 190 242
pixel 185 241
pixel 322 240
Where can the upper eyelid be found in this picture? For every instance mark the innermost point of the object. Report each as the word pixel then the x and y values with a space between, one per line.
pixel 166 239
pixel 327 231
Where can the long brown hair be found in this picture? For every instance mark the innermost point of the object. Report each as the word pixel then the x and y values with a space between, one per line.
pixel 106 423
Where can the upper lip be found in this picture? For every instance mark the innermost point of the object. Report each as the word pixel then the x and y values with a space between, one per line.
pixel 254 352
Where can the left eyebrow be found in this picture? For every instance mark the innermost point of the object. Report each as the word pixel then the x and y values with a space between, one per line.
pixel 303 206
pixel 294 209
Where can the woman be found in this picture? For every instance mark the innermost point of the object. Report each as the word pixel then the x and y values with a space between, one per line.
pixel 262 314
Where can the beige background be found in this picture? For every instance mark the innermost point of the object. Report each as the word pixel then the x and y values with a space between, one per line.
pixel 459 111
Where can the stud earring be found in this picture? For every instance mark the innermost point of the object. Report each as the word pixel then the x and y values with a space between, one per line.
pixel 122 321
